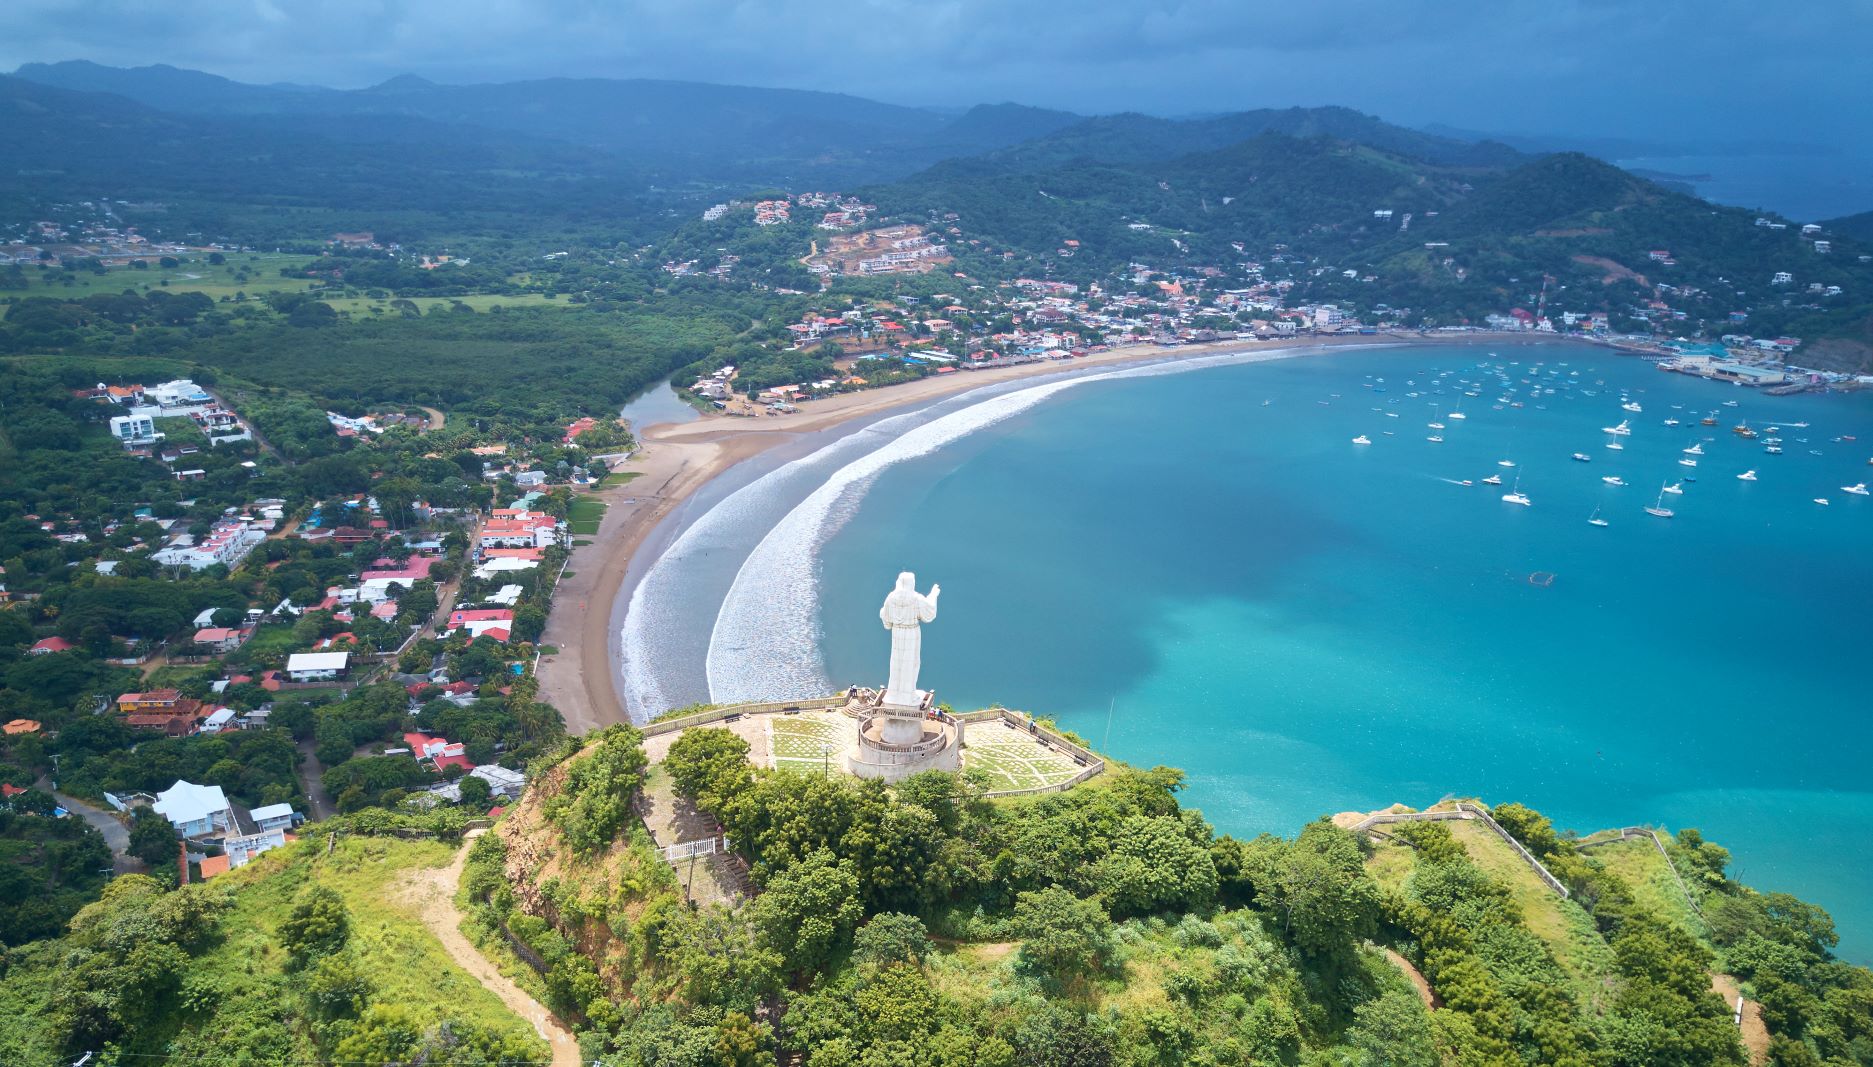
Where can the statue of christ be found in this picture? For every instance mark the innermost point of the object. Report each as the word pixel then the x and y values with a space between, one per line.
pixel 904 612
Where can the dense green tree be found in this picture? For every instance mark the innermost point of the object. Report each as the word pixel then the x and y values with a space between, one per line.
pixel 318 925
pixel 809 910
pixel 1061 934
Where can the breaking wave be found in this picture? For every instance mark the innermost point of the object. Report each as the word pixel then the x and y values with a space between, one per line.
pixel 766 641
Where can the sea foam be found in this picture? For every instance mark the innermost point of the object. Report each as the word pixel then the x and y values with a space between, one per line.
pixel 765 645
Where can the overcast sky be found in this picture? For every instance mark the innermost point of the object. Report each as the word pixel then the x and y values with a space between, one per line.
pixel 1648 68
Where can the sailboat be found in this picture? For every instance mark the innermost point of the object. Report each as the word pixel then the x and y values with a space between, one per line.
pixel 1613 443
pixel 1457 412
pixel 1516 496
pixel 1596 520
pixel 1658 507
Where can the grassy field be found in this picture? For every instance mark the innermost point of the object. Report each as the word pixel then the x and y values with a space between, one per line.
pixel 407 965
pixel 584 516
pixel 1562 925
pixel 617 478
pixel 1649 877
pixel 193 276
pixel 811 741
pixel 1012 759
pixel 363 307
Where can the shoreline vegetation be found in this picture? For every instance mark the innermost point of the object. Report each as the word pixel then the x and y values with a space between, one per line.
pixel 675 461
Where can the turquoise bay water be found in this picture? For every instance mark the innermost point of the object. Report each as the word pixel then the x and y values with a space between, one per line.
pixel 1308 626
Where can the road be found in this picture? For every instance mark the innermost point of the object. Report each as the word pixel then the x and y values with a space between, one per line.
pixel 116 834
pixel 311 779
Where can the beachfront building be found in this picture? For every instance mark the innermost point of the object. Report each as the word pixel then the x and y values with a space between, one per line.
pixel 519 528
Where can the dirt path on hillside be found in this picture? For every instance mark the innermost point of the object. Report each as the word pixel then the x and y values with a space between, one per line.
pixel 437 420
pixel 1755 1034
pixel 432 893
pixel 1425 993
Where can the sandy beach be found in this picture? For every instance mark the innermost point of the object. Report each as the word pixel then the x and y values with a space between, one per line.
pixel 676 460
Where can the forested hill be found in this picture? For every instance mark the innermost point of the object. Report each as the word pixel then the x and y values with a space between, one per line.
pixel 1134 138
pixel 227 176
pixel 1452 243
pixel 678 131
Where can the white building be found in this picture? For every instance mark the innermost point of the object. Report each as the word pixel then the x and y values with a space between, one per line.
pixel 195 810
pixel 316 666
pixel 273 817
pixel 227 543
pixel 242 850
pixel 181 394
pixel 134 429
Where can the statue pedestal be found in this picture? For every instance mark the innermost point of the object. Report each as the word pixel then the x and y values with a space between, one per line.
pixel 896 741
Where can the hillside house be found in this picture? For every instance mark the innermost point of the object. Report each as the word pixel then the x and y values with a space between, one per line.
pixel 195 810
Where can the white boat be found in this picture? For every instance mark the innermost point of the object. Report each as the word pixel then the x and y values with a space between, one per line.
pixel 1675 489
pixel 1615 445
pixel 1695 450
pixel 1362 439
pixel 1729 403
pixel 1515 495
pixel 1583 457
pixel 1774 450
pixel 1622 430
pixel 1687 462
pixel 1858 489
pixel 1494 479
pixel 1435 425
pixel 1746 476
pixel 1505 463
pixel 1821 500
pixel 1614 479
pixel 1435 438
pixel 1632 406
pixel 1596 520
pixel 1658 507
pixel 1671 422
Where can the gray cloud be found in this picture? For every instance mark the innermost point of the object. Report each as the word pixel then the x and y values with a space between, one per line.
pixel 1661 68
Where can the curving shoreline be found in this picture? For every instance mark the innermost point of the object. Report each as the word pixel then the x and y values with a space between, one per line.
pixel 676 461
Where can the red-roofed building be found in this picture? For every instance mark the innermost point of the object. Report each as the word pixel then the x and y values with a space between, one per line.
pixel 220 638
pixel 49 646
pixel 8 791
pixel 482 621
pixel 437 750
pixel 578 427
pixel 523 530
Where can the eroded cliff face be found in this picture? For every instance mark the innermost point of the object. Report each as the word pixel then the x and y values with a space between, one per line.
pixel 594 901
pixel 1846 354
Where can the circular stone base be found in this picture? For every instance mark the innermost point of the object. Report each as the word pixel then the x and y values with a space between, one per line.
pixel 937 748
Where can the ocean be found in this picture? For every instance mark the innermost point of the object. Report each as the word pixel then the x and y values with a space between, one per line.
pixel 1198 568
pixel 1806 188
